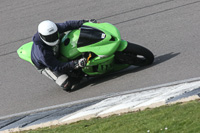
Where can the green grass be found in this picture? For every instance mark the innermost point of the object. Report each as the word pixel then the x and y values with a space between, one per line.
pixel 178 118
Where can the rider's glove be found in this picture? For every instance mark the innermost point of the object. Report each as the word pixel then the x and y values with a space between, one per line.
pixel 91 21
pixel 80 63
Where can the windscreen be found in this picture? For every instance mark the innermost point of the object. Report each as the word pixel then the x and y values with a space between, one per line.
pixel 89 35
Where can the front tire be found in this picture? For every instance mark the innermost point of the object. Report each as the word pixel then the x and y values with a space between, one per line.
pixel 135 55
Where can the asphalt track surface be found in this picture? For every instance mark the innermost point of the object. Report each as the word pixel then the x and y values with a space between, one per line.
pixel 169 28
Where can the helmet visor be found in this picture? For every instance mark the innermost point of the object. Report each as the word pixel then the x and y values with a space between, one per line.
pixel 50 38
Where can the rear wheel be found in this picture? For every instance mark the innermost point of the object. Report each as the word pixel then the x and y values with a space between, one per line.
pixel 135 55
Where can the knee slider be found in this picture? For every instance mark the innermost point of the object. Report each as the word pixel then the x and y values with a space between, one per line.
pixel 61 79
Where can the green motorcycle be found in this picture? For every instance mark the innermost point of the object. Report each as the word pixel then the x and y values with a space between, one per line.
pixel 101 45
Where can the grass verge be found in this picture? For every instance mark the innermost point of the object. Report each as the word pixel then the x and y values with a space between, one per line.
pixel 177 118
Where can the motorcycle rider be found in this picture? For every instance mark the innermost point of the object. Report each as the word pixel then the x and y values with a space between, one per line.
pixel 45 49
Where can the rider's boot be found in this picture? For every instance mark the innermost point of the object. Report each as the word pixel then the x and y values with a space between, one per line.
pixel 71 83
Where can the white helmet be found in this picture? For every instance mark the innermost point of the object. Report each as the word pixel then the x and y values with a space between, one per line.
pixel 48 32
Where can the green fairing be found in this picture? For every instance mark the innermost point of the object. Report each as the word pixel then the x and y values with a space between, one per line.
pixel 123 45
pixel 104 49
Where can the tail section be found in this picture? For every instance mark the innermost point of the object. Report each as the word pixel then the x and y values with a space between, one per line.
pixel 24 52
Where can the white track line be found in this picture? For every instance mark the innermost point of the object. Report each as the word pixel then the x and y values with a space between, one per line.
pixel 101 97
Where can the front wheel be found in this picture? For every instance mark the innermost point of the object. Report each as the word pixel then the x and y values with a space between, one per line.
pixel 135 55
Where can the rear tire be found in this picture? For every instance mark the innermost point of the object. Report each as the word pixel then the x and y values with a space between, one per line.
pixel 135 55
